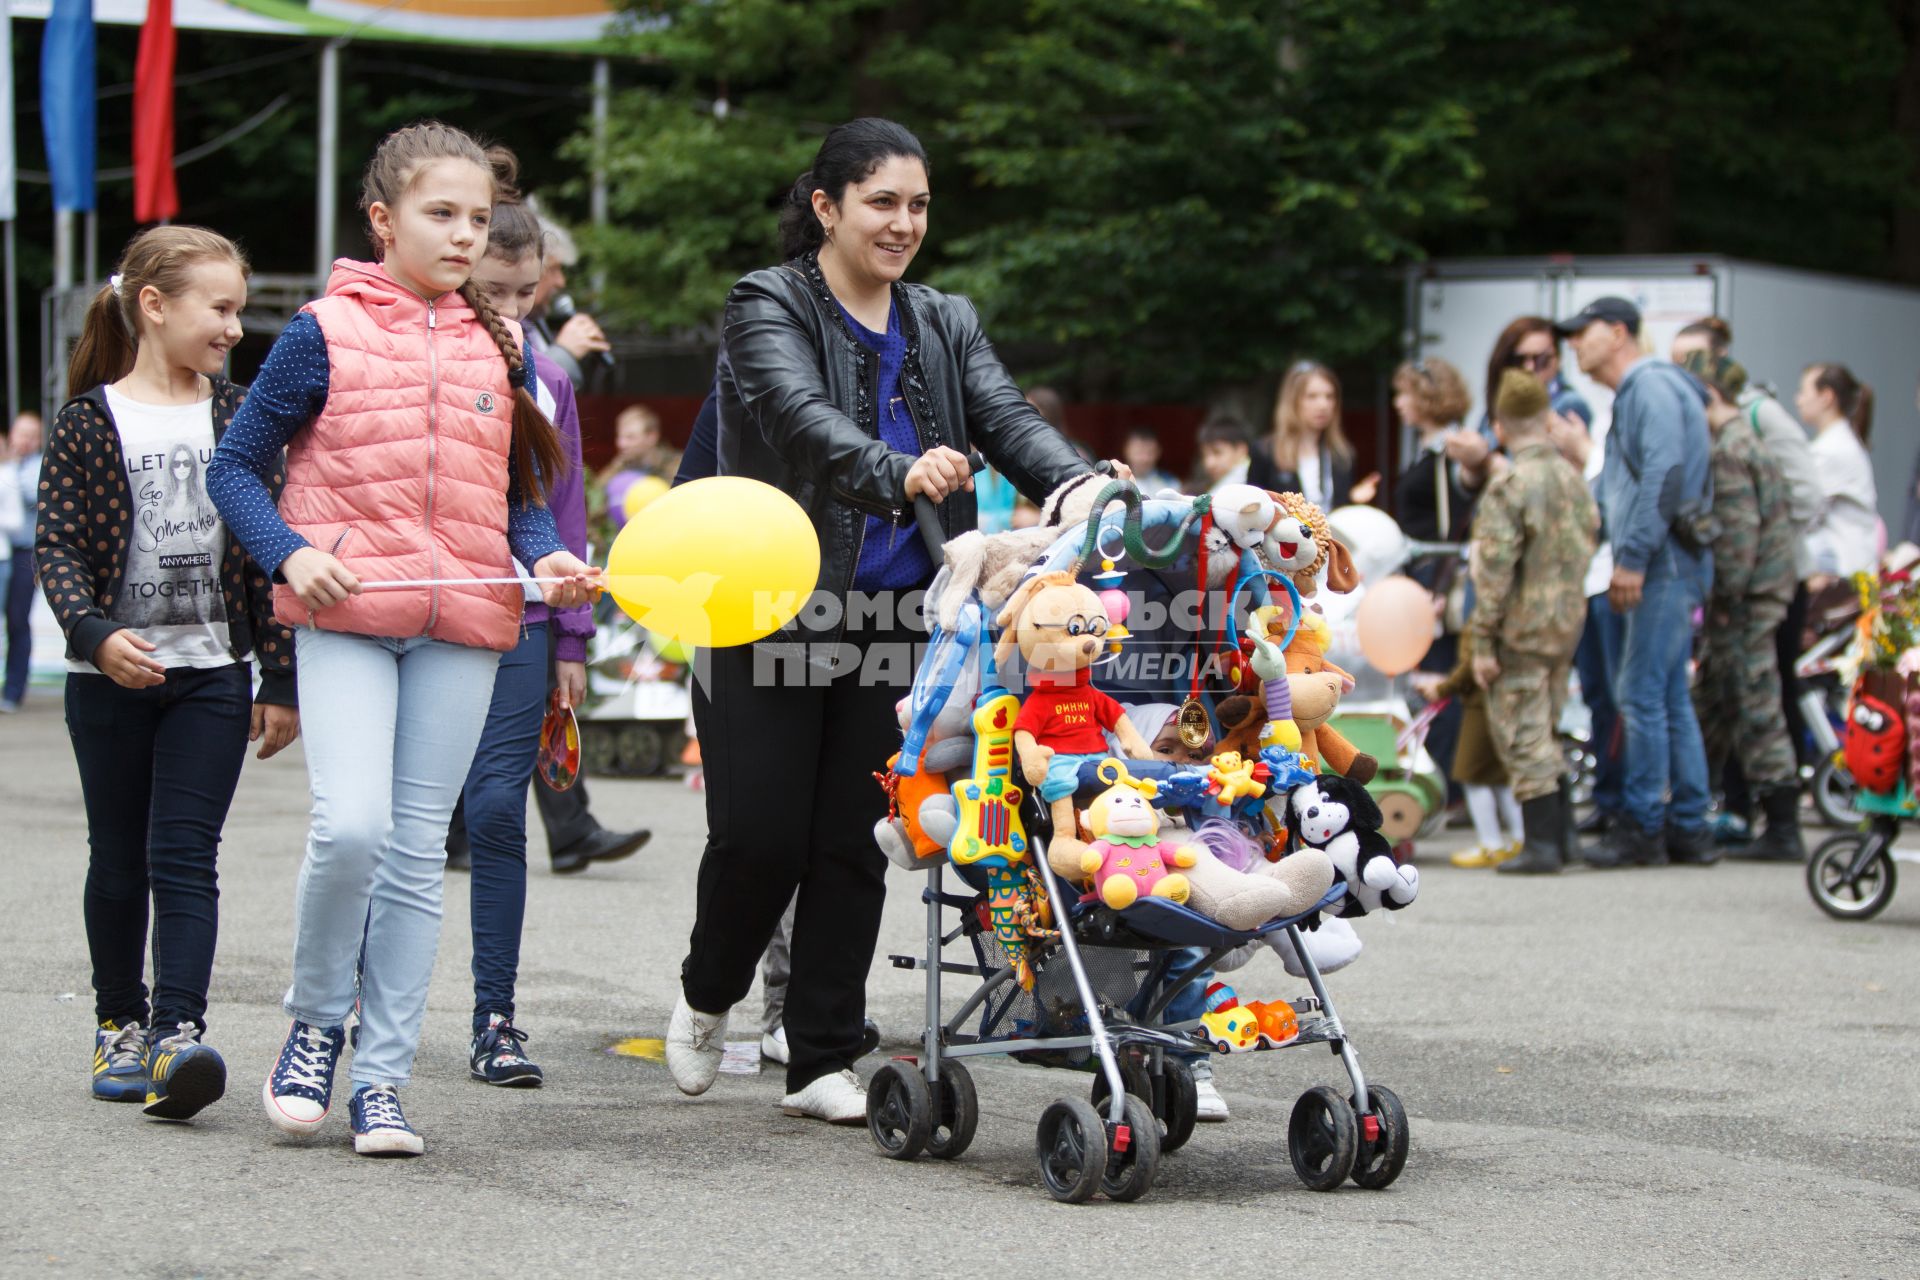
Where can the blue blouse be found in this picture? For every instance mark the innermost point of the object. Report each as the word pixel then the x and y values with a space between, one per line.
pixel 892 556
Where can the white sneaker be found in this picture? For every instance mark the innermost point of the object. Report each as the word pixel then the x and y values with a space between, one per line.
pixel 695 1044
pixel 773 1046
pixel 1211 1108
pixel 839 1098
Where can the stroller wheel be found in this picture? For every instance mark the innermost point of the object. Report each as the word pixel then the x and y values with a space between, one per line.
pixel 956 1112
pixel 1833 791
pixel 1182 1107
pixel 899 1110
pixel 1377 1163
pixel 1841 894
pixel 1129 1173
pixel 1133 1074
pixel 1322 1138
pixel 1072 1148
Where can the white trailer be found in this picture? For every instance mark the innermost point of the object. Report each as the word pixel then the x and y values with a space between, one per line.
pixel 1783 320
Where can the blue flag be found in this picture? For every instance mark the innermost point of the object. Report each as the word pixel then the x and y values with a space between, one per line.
pixel 67 102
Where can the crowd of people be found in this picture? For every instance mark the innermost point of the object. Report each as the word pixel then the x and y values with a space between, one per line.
pixel 213 555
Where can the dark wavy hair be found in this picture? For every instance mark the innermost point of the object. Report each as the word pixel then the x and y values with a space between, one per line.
pixel 850 153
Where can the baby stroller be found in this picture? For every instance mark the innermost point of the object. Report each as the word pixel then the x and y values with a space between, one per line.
pixel 1094 990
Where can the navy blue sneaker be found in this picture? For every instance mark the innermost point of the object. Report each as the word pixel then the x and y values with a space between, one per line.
pixel 119 1062
pixel 496 1057
pixel 300 1089
pixel 183 1075
pixel 378 1127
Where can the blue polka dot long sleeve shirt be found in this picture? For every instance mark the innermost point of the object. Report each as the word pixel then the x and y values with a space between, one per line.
pixel 289 393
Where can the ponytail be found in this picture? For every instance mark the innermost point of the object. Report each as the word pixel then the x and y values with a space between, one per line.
pixel 160 258
pixel 537 450
pixel 1862 415
pixel 106 348
pixel 1852 397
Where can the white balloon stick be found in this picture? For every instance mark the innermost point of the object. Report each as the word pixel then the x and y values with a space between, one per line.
pixel 395 584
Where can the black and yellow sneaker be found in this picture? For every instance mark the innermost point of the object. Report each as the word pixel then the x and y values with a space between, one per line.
pixel 119 1062
pixel 183 1075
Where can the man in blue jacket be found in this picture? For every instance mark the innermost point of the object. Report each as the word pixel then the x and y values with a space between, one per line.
pixel 1656 476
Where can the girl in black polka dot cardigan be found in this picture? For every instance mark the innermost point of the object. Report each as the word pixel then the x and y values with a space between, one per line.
pixel 161 610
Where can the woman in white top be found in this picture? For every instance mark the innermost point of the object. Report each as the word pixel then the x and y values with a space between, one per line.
pixel 1845 535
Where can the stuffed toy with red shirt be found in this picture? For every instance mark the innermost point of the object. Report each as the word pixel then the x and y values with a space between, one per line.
pixel 1060 627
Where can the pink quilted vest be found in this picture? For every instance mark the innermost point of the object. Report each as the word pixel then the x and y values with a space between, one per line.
pixel 404 473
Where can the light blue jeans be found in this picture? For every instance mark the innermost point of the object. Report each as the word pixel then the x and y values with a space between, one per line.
pixel 1666 759
pixel 390 728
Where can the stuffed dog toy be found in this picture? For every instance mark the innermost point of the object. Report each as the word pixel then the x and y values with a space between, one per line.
pixel 1060 627
pixel 1299 544
pixel 1338 817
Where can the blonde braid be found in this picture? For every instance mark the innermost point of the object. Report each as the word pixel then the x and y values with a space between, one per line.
pixel 536 445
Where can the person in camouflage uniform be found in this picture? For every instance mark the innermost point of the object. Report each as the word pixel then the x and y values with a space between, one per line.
pixel 1736 690
pixel 1533 535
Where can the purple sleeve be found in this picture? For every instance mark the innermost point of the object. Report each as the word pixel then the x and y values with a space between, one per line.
pixel 571 627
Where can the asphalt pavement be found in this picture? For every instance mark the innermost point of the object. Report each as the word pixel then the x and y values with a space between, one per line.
pixel 1674 1072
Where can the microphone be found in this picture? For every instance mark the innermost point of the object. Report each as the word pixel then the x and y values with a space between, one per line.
pixel 562 308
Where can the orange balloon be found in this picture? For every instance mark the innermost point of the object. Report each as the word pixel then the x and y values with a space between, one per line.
pixel 1395 621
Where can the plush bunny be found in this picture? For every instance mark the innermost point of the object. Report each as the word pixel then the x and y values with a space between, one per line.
pixel 1060 627
pixel 1336 816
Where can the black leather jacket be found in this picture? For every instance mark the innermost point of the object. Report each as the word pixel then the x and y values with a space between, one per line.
pixel 796 395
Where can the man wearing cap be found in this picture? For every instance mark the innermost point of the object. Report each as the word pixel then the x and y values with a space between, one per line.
pixel 1737 691
pixel 1655 500
pixel 1533 534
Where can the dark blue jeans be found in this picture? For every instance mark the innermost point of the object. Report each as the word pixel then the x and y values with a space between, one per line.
pixel 19 599
pixel 1666 759
pixel 1597 660
pixel 495 803
pixel 158 768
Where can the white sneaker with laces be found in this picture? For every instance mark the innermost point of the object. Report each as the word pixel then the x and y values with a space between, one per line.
pixel 695 1044
pixel 1211 1108
pixel 773 1046
pixel 838 1098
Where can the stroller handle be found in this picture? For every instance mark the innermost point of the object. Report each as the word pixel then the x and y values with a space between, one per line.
pixel 927 516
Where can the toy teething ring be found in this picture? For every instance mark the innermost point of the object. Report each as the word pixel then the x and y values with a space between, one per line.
pixel 1299 607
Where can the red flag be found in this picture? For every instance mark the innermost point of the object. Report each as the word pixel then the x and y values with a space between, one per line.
pixel 154 194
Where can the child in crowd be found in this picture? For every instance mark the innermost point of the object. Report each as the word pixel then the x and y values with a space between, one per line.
pixel 1141 451
pixel 415 451
pixel 1225 452
pixel 162 611
pixel 1477 768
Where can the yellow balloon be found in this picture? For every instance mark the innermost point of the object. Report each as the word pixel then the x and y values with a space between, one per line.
pixel 641 493
pixel 716 562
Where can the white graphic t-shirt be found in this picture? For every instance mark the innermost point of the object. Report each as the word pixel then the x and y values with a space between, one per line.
pixel 170 593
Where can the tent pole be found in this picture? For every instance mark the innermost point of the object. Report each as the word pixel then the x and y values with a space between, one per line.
pixel 92 247
pixel 63 248
pixel 13 330
pixel 327 184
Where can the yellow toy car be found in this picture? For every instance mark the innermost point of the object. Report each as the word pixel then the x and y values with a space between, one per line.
pixel 1231 1030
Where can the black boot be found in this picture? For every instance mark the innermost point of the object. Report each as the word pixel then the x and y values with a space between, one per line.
pixel 1596 823
pixel 1692 848
pixel 1780 842
pixel 1627 845
pixel 1545 822
pixel 1569 830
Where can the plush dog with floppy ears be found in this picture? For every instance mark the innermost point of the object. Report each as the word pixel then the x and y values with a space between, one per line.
pixel 1060 627
pixel 1336 816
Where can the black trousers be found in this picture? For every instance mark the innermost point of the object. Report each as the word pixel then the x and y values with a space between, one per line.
pixel 791 806
pixel 158 768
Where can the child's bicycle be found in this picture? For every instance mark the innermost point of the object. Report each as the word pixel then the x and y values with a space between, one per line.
pixel 1851 875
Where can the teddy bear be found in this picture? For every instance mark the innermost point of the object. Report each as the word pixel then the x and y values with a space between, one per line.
pixel 993 564
pixel 1060 627
pixel 1336 816
pixel 1127 858
pixel 1316 686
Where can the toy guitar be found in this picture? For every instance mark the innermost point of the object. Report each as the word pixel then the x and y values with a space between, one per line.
pixel 990 833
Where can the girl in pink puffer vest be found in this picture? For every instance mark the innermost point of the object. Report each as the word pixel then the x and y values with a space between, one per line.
pixel 414 452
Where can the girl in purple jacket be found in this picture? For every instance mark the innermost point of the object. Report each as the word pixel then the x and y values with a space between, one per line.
pixel 495 796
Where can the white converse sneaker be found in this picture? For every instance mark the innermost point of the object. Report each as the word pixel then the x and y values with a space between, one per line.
pixel 773 1046
pixel 695 1044
pixel 1212 1108
pixel 839 1098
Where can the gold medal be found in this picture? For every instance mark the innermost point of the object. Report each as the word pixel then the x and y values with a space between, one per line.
pixel 1195 729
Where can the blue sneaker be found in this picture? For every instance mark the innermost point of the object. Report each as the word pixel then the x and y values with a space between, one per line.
pixel 378 1127
pixel 119 1062
pixel 183 1075
pixel 300 1089
pixel 496 1058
